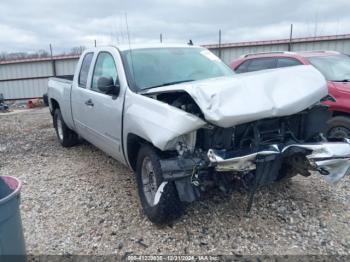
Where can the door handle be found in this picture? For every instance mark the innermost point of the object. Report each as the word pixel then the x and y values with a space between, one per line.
pixel 89 103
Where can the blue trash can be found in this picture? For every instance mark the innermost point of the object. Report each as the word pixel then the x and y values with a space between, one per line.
pixel 11 232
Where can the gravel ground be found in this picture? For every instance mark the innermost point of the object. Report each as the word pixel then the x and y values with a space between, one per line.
pixel 80 201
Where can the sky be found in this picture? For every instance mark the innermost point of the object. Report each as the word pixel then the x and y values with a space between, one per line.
pixel 33 24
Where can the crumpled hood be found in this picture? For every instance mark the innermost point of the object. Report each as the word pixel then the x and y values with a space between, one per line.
pixel 229 101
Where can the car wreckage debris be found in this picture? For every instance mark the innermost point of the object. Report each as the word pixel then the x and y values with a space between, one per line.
pixel 277 147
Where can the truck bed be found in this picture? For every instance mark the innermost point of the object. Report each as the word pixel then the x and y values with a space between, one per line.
pixel 59 89
pixel 65 78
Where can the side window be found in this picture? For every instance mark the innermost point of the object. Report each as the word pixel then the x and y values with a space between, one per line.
pixel 243 67
pixel 105 70
pixel 261 64
pixel 284 62
pixel 84 70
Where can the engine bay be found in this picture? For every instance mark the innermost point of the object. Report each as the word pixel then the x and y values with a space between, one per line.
pixel 248 155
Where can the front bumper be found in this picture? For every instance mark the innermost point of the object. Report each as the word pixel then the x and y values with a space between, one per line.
pixel 332 159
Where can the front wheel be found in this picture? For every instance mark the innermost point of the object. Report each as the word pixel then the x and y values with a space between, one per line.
pixel 338 127
pixel 149 179
pixel 66 136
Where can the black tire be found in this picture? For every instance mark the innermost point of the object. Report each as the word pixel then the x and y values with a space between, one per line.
pixel 338 127
pixel 46 99
pixel 68 137
pixel 169 206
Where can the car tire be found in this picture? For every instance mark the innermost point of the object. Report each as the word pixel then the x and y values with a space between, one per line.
pixel 169 206
pixel 66 136
pixel 338 127
pixel 46 99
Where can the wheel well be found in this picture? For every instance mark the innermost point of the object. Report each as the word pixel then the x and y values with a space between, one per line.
pixel 134 143
pixel 55 105
pixel 339 113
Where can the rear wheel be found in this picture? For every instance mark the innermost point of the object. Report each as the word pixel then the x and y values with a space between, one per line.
pixel 149 178
pixel 338 127
pixel 66 136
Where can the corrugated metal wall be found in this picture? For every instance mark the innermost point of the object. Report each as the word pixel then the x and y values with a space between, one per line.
pixel 228 54
pixel 29 79
pixel 337 45
pixel 25 70
pixel 21 89
pixel 66 67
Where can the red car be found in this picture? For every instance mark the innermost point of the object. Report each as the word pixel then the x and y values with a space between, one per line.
pixel 333 65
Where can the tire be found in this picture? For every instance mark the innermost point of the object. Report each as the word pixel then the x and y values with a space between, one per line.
pixel 338 127
pixel 46 99
pixel 169 206
pixel 66 136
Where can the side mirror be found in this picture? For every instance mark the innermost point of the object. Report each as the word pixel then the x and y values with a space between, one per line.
pixel 106 85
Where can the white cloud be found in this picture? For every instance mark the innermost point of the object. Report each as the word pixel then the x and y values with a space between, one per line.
pixel 16 35
pixel 32 25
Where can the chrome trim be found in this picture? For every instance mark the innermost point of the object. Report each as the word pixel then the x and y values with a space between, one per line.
pixel 332 157
pixel 240 163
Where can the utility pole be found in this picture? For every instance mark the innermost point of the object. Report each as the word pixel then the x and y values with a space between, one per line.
pixel 290 38
pixel 53 62
pixel 51 51
pixel 220 43
pixel 161 37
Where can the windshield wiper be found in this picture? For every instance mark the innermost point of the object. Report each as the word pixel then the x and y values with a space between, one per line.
pixel 169 84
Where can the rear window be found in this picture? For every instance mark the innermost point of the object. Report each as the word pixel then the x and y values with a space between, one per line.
pixel 84 70
pixel 243 67
pixel 257 64
pixel 261 64
pixel 285 62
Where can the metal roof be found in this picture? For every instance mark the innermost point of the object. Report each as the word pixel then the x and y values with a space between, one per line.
pixel 281 41
pixel 291 54
pixel 39 59
pixel 224 45
pixel 120 47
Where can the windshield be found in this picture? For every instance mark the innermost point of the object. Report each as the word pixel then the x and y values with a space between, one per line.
pixel 334 68
pixel 153 67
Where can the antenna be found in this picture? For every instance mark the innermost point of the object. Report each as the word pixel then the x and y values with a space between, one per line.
pixel 220 43
pixel 131 56
pixel 290 38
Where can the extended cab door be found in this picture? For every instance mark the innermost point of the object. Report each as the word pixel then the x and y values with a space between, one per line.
pixel 79 95
pixel 102 111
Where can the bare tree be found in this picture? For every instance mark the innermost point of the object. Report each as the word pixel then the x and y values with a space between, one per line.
pixel 77 50
pixel 41 53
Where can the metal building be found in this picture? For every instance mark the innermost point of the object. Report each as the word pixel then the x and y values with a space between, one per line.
pixel 27 78
pixel 21 79
pixel 230 51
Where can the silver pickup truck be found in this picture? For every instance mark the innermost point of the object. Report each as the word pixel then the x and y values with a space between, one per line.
pixel 184 123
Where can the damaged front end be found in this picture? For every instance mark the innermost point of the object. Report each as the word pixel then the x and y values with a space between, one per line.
pixel 256 154
pixel 331 159
pixel 245 131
